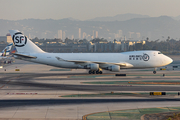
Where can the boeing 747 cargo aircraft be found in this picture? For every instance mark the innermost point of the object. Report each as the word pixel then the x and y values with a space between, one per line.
pixel 95 62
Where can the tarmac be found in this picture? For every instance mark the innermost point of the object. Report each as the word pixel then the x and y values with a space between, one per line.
pixel 40 92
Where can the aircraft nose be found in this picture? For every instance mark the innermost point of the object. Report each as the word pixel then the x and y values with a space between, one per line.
pixel 169 60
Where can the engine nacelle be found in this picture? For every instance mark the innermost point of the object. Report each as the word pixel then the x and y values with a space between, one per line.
pixel 92 66
pixel 114 68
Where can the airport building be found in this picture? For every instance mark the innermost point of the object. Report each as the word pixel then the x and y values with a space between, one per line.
pixel 57 45
pixel 5 39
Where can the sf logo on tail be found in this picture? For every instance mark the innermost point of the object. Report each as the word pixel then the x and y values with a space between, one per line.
pixel 19 39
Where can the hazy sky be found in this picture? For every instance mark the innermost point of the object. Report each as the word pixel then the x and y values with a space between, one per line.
pixel 85 9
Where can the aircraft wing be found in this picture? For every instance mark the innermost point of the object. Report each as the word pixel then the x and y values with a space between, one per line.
pixel 24 56
pixel 79 62
pixel 97 62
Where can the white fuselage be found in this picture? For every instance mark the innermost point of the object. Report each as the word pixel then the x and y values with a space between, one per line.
pixel 132 59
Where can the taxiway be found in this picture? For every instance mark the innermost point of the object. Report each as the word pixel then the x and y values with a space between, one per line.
pixel 39 92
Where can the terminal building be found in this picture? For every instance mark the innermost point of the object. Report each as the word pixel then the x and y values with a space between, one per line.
pixel 6 39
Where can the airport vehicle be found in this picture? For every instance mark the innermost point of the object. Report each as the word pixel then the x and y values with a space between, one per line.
pixel 95 62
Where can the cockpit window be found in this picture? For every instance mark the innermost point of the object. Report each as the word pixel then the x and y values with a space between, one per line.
pixel 159 53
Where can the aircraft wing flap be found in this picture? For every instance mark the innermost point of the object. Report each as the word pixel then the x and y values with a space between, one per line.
pixel 80 62
pixel 24 56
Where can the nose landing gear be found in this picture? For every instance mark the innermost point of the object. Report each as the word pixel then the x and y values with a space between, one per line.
pixel 154 70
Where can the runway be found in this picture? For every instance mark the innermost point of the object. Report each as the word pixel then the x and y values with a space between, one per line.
pixel 38 93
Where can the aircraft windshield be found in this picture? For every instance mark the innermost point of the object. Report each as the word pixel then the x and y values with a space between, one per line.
pixel 159 53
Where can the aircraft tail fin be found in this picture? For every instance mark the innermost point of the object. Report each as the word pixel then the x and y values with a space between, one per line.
pixel 23 44
pixel 7 49
pixel 13 51
pixel 4 53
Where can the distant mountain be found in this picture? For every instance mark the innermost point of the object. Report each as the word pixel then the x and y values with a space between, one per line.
pixel 70 18
pixel 120 17
pixel 152 27
pixel 176 18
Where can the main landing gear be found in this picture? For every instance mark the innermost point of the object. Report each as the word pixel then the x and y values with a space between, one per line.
pixel 95 72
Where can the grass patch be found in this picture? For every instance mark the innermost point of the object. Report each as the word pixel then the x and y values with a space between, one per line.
pixel 134 114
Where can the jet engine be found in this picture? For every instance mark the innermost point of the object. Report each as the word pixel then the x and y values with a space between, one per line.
pixel 114 68
pixel 92 66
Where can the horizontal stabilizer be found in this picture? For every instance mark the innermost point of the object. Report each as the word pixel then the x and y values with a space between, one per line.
pixel 24 56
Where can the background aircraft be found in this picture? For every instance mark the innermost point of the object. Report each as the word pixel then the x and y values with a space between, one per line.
pixel 5 56
pixel 27 50
pixel 6 50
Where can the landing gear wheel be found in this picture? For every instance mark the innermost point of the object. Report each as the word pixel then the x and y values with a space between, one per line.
pixel 154 72
pixel 97 72
pixel 92 72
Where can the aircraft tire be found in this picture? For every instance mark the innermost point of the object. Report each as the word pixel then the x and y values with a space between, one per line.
pixel 100 72
pixel 90 72
pixel 154 72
